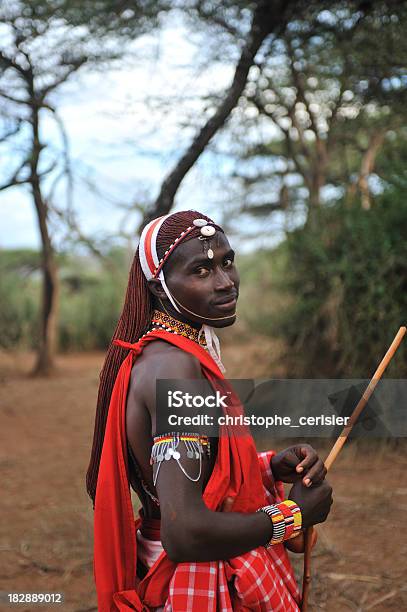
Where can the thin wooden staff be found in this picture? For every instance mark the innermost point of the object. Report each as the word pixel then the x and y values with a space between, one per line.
pixel 335 452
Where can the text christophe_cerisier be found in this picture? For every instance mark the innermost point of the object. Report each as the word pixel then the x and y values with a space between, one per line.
pixel 178 399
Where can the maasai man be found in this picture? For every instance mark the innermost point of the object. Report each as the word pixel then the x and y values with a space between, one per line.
pixel 214 521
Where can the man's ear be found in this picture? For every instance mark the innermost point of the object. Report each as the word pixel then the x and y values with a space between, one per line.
pixel 156 288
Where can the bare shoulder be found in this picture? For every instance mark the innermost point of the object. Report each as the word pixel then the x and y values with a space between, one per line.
pixel 161 359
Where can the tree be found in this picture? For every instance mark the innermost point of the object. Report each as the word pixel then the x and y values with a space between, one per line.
pixel 44 43
pixel 326 107
pixel 267 18
pixel 272 43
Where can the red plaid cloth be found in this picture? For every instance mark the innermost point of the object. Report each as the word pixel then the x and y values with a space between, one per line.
pixel 259 580
pixel 263 578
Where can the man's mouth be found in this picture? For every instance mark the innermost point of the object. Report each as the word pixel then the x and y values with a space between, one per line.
pixel 226 303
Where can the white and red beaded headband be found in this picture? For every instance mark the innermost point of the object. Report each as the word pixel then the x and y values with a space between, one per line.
pixel 149 261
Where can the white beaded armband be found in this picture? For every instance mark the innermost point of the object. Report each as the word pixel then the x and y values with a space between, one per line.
pixel 166 447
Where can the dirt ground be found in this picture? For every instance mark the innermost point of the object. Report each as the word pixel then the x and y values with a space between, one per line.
pixel 46 428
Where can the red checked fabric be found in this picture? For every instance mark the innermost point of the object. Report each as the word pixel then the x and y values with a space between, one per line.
pixel 263 578
pixel 260 580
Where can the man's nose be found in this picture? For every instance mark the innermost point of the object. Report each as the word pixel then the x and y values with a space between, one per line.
pixel 223 281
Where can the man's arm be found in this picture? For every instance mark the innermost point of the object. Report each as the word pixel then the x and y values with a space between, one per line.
pixel 189 530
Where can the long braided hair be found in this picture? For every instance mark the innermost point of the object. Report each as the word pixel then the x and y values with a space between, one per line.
pixel 133 323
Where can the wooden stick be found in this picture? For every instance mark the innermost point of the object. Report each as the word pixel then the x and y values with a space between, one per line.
pixel 365 398
pixel 336 449
pixel 306 580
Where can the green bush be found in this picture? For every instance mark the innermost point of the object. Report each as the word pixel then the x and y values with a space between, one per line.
pixel 19 298
pixel 90 300
pixel 88 316
pixel 345 289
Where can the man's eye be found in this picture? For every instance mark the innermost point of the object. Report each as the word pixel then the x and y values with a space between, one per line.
pixel 202 271
pixel 228 263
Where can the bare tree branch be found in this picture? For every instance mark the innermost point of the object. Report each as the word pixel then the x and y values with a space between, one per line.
pixel 212 14
pixel 15 179
pixel 11 132
pixel 266 18
pixel 42 93
pixel 67 169
pixel 13 182
pixel 7 62
pixel 10 98
pixel 71 222
pixel 259 210
pixel 299 86
pixel 287 137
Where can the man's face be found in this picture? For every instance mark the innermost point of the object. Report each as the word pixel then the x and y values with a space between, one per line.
pixel 208 287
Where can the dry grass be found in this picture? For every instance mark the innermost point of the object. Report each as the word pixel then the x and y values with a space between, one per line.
pixel 46 527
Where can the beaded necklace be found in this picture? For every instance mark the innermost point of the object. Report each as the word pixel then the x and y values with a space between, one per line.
pixel 162 320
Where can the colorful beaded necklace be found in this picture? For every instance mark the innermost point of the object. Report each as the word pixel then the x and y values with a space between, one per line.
pixel 162 320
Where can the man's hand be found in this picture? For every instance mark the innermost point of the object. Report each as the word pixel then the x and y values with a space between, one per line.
pixel 314 503
pixel 298 461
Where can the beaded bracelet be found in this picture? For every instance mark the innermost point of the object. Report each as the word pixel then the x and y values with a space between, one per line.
pixel 286 519
pixel 293 518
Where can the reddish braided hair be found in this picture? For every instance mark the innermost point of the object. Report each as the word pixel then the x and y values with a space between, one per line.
pixel 133 323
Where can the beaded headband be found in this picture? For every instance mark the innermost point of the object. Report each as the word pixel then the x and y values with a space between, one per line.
pixel 150 263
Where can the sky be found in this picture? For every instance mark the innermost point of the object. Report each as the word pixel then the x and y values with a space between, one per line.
pixel 122 145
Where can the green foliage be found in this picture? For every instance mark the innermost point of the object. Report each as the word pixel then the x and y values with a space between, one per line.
pixel 100 18
pixel 259 299
pixel 18 297
pixel 341 289
pixel 89 313
pixel 18 321
pixel 316 103
pixel 91 299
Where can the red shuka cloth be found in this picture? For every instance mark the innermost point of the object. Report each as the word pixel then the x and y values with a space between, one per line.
pixel 263 578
